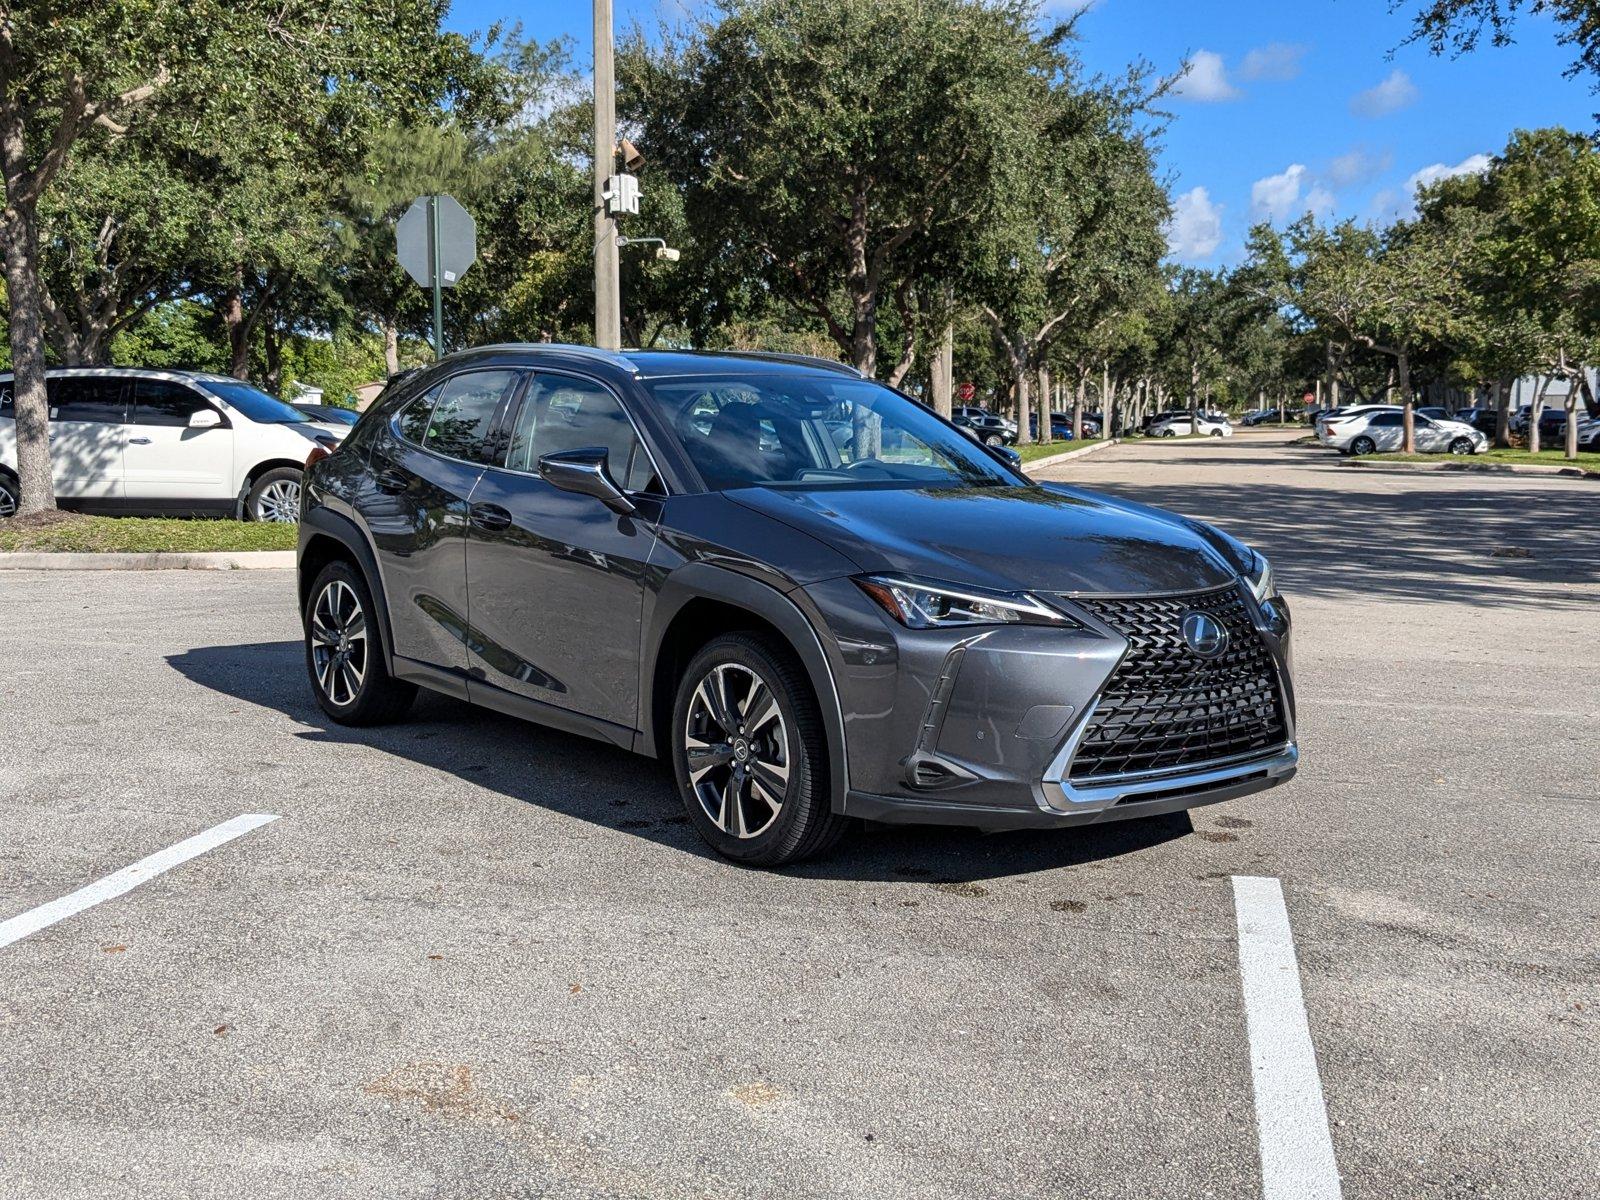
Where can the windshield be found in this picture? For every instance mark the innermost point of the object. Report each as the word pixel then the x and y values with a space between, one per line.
pixel 788 431
pixel 255 404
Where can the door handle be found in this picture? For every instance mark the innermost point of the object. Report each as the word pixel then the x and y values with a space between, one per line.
pixel 391 480
pixel 490 517
pixel 138 441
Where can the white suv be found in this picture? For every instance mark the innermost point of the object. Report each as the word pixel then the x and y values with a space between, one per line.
pixel 168 442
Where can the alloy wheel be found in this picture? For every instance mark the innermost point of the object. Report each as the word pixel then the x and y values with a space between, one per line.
pixel 8 503
pixel 1461 446
pixel 737 748
pixel 339 643
pixel 279 502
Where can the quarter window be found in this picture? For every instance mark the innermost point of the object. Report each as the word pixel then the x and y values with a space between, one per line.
pixel 561 413
pixel 165 403
pixel 412 422
pixel 90 398
pixel 462 420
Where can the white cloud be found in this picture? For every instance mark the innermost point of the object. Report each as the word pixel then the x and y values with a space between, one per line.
pixel 1278 62
pixel 1195 230
pixel 1205 80
pixel 1320 202
pixel 1274 198
pixel 1358 166
pixel 1474 165
pixel 1393 94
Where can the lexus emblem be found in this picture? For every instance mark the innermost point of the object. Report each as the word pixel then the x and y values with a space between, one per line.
pixel 1204 634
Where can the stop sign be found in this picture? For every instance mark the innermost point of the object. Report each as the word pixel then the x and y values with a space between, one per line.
pixel 966 392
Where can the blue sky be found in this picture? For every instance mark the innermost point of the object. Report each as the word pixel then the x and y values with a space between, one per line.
pixel 1289 105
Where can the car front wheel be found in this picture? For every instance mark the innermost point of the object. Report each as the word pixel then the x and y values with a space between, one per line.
pixel 343 654
pixel 749 754
pixel 1461 446
pixel 10 497
pixel 275 497
pixel 993 439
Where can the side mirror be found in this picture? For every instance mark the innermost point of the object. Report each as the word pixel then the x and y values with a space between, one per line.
pixel 205 418
pixel 584 471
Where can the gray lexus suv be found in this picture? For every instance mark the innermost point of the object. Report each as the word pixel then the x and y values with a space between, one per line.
pixel 814 597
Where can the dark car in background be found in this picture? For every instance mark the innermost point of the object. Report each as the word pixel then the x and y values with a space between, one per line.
pixel 674 553
pixel 991 428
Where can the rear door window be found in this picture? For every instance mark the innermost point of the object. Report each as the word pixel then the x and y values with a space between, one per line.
pixel 86 398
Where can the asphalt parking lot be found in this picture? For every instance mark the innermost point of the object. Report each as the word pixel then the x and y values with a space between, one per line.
pixel 472 958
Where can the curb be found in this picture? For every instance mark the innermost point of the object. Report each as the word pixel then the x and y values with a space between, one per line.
pixel 1491 468
pixel 244 560
pixel 1067 456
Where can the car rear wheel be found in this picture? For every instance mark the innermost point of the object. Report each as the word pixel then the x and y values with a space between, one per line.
pixel 275 497
pixel 1363 445
pixel 749 754
pixel 10 497
pixel 1461 445
pixel 993 439
pixel 343 654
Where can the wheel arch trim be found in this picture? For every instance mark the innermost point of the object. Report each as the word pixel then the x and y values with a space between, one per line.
pixel 322 523
pixel 702 581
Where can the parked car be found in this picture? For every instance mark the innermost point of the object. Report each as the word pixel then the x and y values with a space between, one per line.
pixel 1334 420
pixel 991 428
pixel 1589 436
pixel 1182 424
pixel 807 635
pixel 1370 433
pixel 134 441
pixel 1061 426
pixel 1484 420
pixel 1553 424
pixel 1155 418
pixel 1434 413
pixel 332 414
pixel 1264 416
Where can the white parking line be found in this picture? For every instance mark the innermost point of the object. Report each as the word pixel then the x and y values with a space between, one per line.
pixel 130 877
pixel 1291 1119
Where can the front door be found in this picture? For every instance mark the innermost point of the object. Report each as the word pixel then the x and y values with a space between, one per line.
pixel 86 435
pixel 557 579
pixel 167 460
pixel 423 466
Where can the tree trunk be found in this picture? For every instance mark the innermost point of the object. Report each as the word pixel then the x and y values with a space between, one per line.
pixel 20 230
pixel 1502 414
pixel 1408 443
pixel 1572 420
pixel 238 329
pixel 943 372
pixel 273 344
pixel 1077 408
pixel 1533 414
pixel 391 347
pixel 1044 406
pixel 1019 372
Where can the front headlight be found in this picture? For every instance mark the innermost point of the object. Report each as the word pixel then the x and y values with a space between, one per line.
pixel 927 604
pixel 1261 580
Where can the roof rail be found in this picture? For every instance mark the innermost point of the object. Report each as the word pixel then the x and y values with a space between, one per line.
pixel 610 356
pixel 799 360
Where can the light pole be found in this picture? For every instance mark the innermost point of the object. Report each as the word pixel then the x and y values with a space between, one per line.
pixel 607 304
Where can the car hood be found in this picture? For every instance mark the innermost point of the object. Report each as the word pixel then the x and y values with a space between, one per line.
pixel 1041 538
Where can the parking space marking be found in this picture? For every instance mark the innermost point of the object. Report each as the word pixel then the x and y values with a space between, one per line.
pixel 1297 1160
pixel 128 878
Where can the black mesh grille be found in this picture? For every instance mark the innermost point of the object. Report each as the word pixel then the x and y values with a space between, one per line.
pixel 1165 706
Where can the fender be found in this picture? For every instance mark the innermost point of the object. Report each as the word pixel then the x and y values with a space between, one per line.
pixel 324 521
pixel 702 581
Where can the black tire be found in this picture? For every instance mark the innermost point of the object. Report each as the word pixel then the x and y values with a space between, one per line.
pixel 1363 445
pixel 10 496
pixel 1462 446
pixel 1216 433
pixel 359 690
pixel 275 496
pixel 804 824
pixel 993 439
pixel 1169 432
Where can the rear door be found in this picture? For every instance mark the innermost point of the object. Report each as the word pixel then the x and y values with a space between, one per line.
pixel 424 463
pixel 86 435
pixel 165 458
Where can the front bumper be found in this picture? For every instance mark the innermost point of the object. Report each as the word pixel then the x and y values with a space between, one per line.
pixel 980 727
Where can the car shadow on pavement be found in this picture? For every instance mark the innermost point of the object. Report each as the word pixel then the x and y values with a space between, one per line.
pixel 610 787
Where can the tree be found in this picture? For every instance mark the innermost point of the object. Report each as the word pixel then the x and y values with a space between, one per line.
pixel 71 70
pixel 828 152
pixel 1082 232
pixel 1459 25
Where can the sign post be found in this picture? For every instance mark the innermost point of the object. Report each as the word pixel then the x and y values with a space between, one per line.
pixel 436 240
